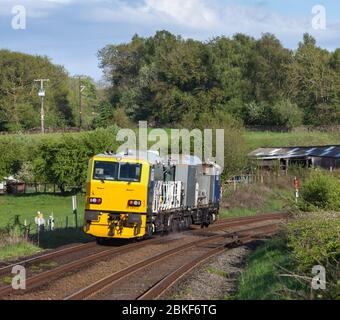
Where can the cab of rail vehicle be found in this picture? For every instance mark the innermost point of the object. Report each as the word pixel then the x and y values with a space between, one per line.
pixel 117 196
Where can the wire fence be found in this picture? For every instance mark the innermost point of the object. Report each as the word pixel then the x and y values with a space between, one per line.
pixel 35 187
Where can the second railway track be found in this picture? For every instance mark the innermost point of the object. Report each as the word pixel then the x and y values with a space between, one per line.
pixel 119 284
pixel 226 225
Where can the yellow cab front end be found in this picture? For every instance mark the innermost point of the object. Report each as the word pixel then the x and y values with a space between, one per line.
pixel 116 197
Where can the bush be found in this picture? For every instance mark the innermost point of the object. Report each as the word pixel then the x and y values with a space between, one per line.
pixel 283 113
pixel 108 116
pixel 287 114
pixel 321 191
pixel 314 239
pixel 12 155
pixel 64 162
pixel 254 114
pixel 235 159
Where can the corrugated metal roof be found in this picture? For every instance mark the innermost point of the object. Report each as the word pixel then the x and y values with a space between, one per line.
pixel 296 152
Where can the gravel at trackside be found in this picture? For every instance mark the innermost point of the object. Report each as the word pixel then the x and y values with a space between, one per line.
pixel 215 280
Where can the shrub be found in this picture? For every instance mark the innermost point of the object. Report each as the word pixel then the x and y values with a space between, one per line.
pixel 254 114
pixel 314 239
pixel 235 159
pixel 282 113
pixel 12 155
pixel 286 113
pixel 63 161
pixel 321 191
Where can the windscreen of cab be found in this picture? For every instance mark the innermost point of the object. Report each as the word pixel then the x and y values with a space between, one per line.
pixel 117 171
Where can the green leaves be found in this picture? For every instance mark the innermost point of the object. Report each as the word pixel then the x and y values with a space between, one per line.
pixel 165 79
pixel 314 239
pixel 19 101
pixel 321 191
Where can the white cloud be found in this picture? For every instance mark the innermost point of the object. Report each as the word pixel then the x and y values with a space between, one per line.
pixel 192 13
pixel 208 18
pixel 34 8
pixel 196 18
pixel 188 13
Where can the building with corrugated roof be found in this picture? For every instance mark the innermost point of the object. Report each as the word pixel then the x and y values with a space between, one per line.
pixel 327 157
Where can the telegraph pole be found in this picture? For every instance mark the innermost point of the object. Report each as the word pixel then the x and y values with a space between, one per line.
pixel 42 97
pixel 81 89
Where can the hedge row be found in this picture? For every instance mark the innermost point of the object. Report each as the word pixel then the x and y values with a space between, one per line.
pixel 59 159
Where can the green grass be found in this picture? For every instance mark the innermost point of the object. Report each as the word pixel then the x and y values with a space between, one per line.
pixel 237 212
pixel 261 278
pixel 271 204
pixel 216 272
pixel 256 140
pixel 27 206
pixel 11 252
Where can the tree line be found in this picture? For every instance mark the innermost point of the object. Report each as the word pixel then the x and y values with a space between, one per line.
pixel 171 81
pixel 59 159
pixel 19 100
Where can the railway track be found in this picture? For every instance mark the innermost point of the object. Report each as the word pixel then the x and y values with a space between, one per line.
pixel 172 278
pixel 43 277
pixel 208 247
pixel 244 220
pixel 47 256
pixel 66 251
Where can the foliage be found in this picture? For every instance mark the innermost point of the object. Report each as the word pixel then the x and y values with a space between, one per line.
pixel 166 80
pixel 283 113
pixel 19 101
pixel 260 279
pixel 64 162
pixel 314 239
pixel 11 156
pixel 287 114
pixel 108 116
pixel 314 82
pixel 234 146
pixel 321 191
pixel 90 99
pixel 55 159
pixel 282 267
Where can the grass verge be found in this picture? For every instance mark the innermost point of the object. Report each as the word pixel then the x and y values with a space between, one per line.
pixel 15 251
pixel 27 206
pixel 261 280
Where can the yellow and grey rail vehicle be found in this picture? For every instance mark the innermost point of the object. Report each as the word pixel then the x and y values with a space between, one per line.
pixel 130 196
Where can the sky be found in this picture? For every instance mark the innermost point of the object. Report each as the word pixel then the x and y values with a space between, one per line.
pixel 71 32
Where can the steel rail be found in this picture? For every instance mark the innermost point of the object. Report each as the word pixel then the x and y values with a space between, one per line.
pixel 47 256
pixel 242 222
pixel 120 275
pixel 282 214
pixel 168 281
pixel 48 275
